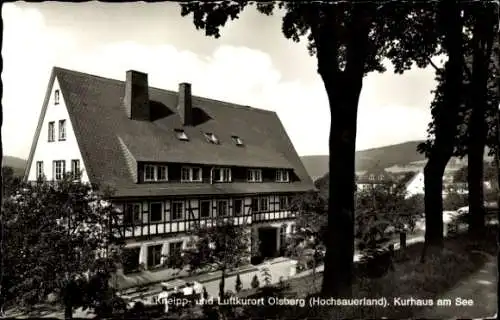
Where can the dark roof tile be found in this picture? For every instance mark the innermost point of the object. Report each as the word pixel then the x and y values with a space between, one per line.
pixel 110 141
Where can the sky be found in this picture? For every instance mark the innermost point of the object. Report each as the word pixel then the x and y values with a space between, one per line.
pixel 252 63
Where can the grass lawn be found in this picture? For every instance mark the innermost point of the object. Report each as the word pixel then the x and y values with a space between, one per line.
pixel 410 278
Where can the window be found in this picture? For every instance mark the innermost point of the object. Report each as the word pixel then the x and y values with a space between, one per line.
pixel 254 175
pixel 372 177
pixel 211 138
pixel 51 131
pixel 237 140
pixel 132 214
pixel 263 204
pixel 177 210
pixel 222 208
pixel 62 130
pixel 222 175
pixel 189 174
pixel 131 259
pixel 282 176
pixel 181 135
pixel 75 168
pixel 283 202
pixel 282 233
pixel 154 255
pixel 255 205
pixel 162 173
pixel 238 207
pixel 156 212
pixel 292 229
pixel 381 177
pixel 56 97
pixel 39 170
pixel 204 208
pixel 175 248
pixel 149 172
pixel 59 169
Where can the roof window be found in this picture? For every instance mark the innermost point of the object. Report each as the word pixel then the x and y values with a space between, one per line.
pixel 237 140
pixel 181 135
pixel 211 138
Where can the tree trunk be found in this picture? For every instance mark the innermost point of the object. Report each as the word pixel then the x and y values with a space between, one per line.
pixel 402 242
pixel 68 311
pixel 446 122
pixel 482 48
pixel 343 88
pixel 433 198
pixel 475 186
pixel 222 285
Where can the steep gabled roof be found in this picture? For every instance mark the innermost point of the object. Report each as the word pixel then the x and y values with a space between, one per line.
pixel 110 142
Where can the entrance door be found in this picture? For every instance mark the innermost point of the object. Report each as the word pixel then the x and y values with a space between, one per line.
pixel 268 242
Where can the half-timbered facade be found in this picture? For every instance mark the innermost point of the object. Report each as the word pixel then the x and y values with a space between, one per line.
pixel 173 160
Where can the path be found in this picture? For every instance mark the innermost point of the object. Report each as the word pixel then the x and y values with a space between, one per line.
pixel 480 288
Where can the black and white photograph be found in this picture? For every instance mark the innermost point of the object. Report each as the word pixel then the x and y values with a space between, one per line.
pixel 250 159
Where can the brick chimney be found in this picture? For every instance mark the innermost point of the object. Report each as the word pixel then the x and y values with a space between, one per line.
pixel 185 104
pixel 136 99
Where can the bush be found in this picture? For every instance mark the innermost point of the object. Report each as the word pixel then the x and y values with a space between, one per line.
pixel 238 286
pixel 255 282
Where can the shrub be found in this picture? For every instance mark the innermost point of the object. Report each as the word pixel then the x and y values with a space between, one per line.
pixel 238 286
pixel 255 282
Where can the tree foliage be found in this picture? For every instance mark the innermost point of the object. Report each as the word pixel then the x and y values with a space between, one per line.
pixel 222 246
pixel 349 39
pixel 382 210
pixel 60 238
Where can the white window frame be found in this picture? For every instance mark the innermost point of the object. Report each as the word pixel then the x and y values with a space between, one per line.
pixel 39 170
pixel 55 169
pixel 224 175
pixel 56 97
pixel 175 243
pixel 191 174
pixel 162 209
pixel 263 208
pixel 283 202
pixel 242 207
pixel 254 175
pixel 155 246
pixel 218 206
pixel 62 130
pixel 149 166
pixel 158 170
pixel 282 175
pixel 134 205
pixel 75 169
pixel 51 127
pixel 173 213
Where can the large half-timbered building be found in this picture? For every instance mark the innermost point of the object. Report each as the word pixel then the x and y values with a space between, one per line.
pixel 173 159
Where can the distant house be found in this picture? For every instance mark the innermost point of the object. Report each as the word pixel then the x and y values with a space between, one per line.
pixel 374 177
pixel 175 160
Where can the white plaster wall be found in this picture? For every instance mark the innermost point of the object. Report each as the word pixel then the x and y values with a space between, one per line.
pixel 416 186
pixel 58 150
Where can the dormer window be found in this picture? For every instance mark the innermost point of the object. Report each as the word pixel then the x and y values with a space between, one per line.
pixel 56 97
pixel 211 138
pixel 190 174
pixel 254 175
pixel 222 175
pixel 155 173
pixel 181 135
pixel 282 176
pixel 237 140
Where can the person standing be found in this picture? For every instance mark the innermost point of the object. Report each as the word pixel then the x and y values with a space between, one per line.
pixel 163 298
